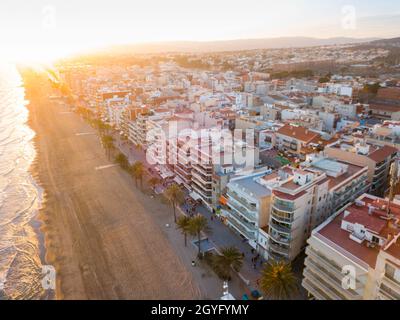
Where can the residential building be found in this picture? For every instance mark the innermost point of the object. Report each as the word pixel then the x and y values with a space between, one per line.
pixel 306 197
pixel 248 200
pixel 355 255
pixel 376 157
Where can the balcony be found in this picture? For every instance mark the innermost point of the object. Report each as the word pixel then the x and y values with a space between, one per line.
pixel 333 280
pixel 201 192
pixel 314 291
pixel 389 293
pixel 280 228
pixel 242 230
pixel 319 283
pixel 242 201
pixel 284 206
pixel 201 178
pixel 391 283
pixel 278 238
pixel 282 216
pixel 239 219
pixel 242 211
pixel 279 249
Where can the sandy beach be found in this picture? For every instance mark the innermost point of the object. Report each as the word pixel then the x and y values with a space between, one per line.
pixel 100 233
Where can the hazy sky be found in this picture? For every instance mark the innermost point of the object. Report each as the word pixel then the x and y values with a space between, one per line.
pixel 46 28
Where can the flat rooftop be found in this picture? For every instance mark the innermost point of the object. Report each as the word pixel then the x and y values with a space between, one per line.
pixel 373 221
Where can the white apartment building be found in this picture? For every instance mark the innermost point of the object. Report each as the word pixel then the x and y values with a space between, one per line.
pixel 210 156
pixel 139 128
pixel 248 201
pixel 305 198
pixel 360 242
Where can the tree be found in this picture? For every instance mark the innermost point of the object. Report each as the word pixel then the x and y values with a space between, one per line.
pixel 183 224
pixel 278 281
pixel 153 182
pixel 198 224
pixel 175 196
pixel 229 258
pixel 122 160
pixel 108 143
pixel 137 171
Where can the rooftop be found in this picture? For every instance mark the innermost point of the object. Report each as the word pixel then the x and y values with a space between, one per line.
pixel 299 133
pixel 369 212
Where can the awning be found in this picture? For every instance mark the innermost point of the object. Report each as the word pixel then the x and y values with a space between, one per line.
pixel 223 201
pixel 195 196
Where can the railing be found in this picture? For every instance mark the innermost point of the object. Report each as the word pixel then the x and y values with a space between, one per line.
pixel 277 238
pixel 283 207
pixel 280 218
pixel 279 249
pixel 234 195
pixel 280 228
pixel 242 210
pixel 250 227
pixel 200 177
pixel 242 230
pixel 320 283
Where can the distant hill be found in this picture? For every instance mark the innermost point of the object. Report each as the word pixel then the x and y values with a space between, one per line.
pixel 233 45
pixel 394 42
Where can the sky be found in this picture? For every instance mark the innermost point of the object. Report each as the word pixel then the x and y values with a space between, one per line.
pixel 35 29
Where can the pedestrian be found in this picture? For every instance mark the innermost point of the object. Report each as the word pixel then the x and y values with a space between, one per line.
pixel 254 266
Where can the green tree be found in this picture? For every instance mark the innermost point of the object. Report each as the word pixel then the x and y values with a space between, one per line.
pixel 229 258
pixel 197 225
pixel 108 144
pixel 183 224
pixel 153 182
pixel 175 196
pixel 278 281
pixel 122 160
pixel 137 171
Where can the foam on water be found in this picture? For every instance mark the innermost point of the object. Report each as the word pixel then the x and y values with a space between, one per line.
pixel 20 249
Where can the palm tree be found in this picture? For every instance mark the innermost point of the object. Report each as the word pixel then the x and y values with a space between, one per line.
pixel 229 258
pixel 137 171
pixel 197 225
pixel 183 224
pixel 153 182
pixel 122 160
pixel 175 196
pixel 278 281
pixel 108 143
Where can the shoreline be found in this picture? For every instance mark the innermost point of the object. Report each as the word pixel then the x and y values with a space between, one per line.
pixel 99 233
pixel 39 222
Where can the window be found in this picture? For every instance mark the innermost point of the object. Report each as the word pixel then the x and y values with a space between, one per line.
pixel 375 239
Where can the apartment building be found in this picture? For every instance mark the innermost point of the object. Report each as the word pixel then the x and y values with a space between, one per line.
pixel 306 197
pixel 298 141
pixel 355 255
pixel 213 163
pixel 248 201
pixel 143 123
pixel 376 157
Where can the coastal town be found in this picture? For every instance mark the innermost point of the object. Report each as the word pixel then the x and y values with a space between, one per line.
pixel 263 160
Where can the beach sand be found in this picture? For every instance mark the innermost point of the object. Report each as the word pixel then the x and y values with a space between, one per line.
pixel 100 234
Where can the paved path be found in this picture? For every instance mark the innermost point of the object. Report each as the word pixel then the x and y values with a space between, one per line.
pixel 222 236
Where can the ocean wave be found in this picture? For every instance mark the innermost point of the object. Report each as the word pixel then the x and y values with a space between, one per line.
pixel 20 196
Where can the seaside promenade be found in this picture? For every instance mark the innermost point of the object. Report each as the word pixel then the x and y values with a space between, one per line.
pixel 102 235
